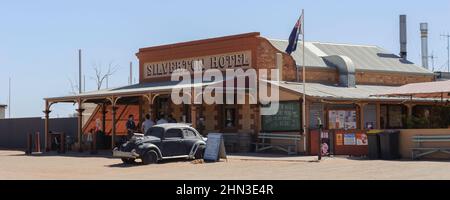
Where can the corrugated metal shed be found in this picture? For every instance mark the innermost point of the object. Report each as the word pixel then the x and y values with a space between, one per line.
pixel 364 57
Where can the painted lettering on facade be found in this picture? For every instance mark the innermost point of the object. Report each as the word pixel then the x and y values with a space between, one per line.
pixel 222 62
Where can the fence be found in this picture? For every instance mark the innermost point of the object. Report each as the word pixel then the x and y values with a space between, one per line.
pixel 406 141
pixel 13 132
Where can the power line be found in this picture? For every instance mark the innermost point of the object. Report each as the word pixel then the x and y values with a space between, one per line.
pixel 441 67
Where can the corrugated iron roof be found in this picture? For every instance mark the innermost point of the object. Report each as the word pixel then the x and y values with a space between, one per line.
pixel 437 89
pixel 311 59
pixel 318 90
pixel 365 57
pixel 333 92
pixel 135 89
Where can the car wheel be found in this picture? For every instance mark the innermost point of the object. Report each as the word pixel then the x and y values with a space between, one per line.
pixel 200 152
pixel 128 160
pixel 149 157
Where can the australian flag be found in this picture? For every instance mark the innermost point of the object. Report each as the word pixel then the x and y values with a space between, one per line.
pixel 293 38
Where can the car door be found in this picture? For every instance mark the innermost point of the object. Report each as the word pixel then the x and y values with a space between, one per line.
pixel 190 138
pixel 172 144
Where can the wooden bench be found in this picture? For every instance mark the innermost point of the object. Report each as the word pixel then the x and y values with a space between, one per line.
pixel 419 151
pixel 291 149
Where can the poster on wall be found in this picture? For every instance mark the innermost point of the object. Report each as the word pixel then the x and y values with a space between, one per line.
pixel 361 139
pixel 350 120
pixel 325 143
pixel 342 119
pixel 339 139
pixel 332 119
pixel 349 139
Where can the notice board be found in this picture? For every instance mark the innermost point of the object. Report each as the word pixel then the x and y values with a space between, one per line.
pixel 288 118
pixel 215 147
pixel 351 142
pixel 342 119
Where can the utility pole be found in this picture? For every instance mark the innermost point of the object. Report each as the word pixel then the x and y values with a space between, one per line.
pixel 84 82
pixel 319 152
pixel 9 98
pixel 432 57
pixel 131 73
pixel 447 36
pixel 79 71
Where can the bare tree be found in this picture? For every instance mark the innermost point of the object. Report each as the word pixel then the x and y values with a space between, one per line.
pixel 100 76
pixel 73 87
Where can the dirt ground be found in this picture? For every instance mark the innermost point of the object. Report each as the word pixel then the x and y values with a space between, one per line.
pixel 16 165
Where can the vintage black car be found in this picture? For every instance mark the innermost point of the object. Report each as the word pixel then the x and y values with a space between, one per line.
pixel 164 141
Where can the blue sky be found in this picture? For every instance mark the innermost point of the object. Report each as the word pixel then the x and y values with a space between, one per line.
pixel 39 39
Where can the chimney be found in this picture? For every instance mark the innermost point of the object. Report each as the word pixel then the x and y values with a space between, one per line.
pixel 424 37
pixel 403 51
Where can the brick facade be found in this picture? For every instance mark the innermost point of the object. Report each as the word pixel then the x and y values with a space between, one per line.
pixel 211 114
pixel 394 79
pixel 263 56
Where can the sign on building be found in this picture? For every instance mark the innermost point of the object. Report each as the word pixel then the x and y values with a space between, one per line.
pixel 234 60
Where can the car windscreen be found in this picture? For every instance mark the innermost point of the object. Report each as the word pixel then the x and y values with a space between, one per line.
pixel 189 134
pixel 155 131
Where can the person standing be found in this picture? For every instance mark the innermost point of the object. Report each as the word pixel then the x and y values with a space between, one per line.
pixel 162 120
pixel 147 124
pixel 90 139
pixel 171 119
pixel 131 126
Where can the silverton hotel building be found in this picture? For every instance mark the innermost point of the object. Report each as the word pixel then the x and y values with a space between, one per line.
pixel 340 82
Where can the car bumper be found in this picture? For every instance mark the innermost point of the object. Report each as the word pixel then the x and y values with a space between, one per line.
pixel 123 154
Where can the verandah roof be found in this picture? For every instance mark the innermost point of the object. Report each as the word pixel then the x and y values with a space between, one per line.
pixel 317 90
pixel 437 89
pixel 136 89
pixel 333 92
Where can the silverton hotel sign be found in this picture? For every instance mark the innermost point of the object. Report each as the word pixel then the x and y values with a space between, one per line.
pixel 232 60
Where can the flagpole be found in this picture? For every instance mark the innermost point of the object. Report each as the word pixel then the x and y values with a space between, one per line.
pixel 304 81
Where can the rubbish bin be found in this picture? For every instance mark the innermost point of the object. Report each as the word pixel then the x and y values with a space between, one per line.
pixel 374 144
pixel 55 139
pixel 389 143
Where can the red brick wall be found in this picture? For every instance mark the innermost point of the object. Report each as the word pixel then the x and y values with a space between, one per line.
pixel 263 57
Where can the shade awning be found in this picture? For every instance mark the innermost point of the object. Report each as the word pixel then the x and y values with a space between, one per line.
pixel 338 93
pixel 437 89
pixel 136 89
